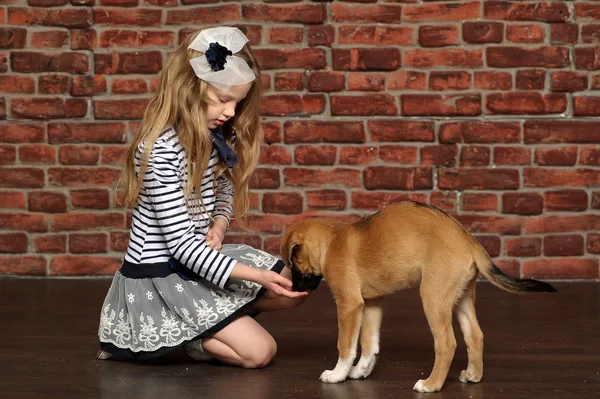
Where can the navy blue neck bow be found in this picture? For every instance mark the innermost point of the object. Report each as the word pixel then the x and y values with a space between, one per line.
pixel 225 152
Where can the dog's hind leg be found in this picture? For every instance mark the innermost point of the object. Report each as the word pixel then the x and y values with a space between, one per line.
pixel 369 339
pixel 465 313
pixel 438 304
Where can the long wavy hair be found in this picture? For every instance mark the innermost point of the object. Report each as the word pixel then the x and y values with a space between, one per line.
pixel 181 101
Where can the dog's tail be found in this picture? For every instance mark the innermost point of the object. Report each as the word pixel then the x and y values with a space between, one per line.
pixel 503 281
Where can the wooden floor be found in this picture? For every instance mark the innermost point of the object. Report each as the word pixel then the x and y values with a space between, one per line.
pixel 536 346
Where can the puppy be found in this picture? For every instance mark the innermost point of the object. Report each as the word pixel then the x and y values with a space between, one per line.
pixel 406 244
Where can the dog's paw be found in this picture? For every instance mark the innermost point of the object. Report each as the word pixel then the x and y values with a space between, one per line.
pixel 420 386
pixel 469 376
pixel 332 376
pixel 363 369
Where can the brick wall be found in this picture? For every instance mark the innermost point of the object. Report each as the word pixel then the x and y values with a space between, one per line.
pixel 486 109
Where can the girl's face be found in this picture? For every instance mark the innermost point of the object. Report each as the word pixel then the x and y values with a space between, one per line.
pixel 221 104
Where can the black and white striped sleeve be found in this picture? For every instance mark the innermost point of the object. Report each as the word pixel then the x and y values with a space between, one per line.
pixel 162 184
pixel 224 203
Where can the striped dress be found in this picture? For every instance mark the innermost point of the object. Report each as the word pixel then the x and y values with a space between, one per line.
pixel 172 287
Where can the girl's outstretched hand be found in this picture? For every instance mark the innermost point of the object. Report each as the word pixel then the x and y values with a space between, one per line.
pixel 214 239
pixel 278 285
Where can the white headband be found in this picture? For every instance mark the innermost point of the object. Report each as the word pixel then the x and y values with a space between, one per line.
pixel 218 65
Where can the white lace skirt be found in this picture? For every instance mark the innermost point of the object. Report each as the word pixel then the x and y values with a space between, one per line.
pixel 155 310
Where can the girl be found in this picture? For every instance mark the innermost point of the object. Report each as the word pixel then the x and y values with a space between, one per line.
pixel 178 285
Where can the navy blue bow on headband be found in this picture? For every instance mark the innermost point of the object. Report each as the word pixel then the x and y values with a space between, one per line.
pixel 225 152
pixel 217 56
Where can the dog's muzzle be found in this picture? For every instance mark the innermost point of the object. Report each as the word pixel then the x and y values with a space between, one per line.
pixel 304 282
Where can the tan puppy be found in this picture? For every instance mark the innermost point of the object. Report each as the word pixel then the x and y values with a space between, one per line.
pixel 406 244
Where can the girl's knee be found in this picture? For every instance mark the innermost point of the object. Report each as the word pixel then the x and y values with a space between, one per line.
pixel 261 354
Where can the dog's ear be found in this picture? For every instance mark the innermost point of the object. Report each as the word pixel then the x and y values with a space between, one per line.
pixel 289 244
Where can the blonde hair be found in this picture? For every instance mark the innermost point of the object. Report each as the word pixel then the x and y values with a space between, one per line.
pixel 181 101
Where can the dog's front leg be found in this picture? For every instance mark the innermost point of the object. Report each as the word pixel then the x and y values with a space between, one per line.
pixel 349 319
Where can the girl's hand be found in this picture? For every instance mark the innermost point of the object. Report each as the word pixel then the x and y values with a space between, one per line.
pixel 214 239
pixel 278 285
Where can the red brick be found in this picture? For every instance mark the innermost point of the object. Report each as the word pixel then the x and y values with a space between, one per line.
pixel 83 39
pixel 443 200
pixel 563 245
pixel 407 80
pixel 398 130
pixel 523 246
pixel 272 132
pixel 275 155
pixel 49 39
pixel 449 80
pixel 397 178
pixel 297 131
pixel 512 156
pixel 48 108
pixel 512 267
pixel 438 36
pixel 13 243
pixel 586 106
pixel 289 81
pixel 441 12
pixel 3 63
pixel 398 154
pixel 441 105
pixel 587 10
pixel 560 224
pixel 516 103
pixel 568 81
pixel 552 177
pixel 587 58
pixel 8 154
pixel 450 57
pixel 528 33
pixel 120 109
pixel 88 243
pixel 24 222
pixel 358 81
pixel 49 202
pixel 309 58
pixel 589 156
pixel 11 38
pixel 590 33
pixel 531 79
pixel 364 59
pixel 514 57
pixel 86 132
pixel 82 86
pixel 143 62
pixel 73 221
pixel 593 243
pixel 37 153
pixel 364 105
pixel 120 3
pixel 286 35
pixel 491 80
pixel 596 200
pixel 79 155
pixel 303 177
pixel 491 244
pixel 91 198
pixel 287 203
pixel 53 84
pixel 113 155
pixel 552 156
pixel 129 86
pixel 479 202
pixel 566 200
pixel 77 176
pixel 553 132
pixel 23 265
pixel 376 35
pixel 265 178
pixel 52 243
pixel 321 35
pixel 357 155
pixel 503 225
pixel 35 62
pixel 522 203
pixel 119 241
pixel 326 199
pixel 439 155
pixel 326 81
pixel 375 200
pixel 12 200
pixel 483 32
pixel 311 155
pixel 564 33
pixel 382 13
pixel 478 179
pixel 84 265
pixel 67 17
pixel 290 104
pixel 129 17
pixel 15 132
pixel 304 14
pixel 475 156
pixel 527 11
pixel 17 84
pixel 21 178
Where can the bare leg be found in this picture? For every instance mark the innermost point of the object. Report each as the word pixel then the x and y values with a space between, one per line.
pixel 369 339
pixel 465 313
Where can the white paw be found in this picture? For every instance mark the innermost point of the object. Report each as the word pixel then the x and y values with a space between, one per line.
pixel 468 376
pixel 421 387
pixel 363 369
pixel 333 376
